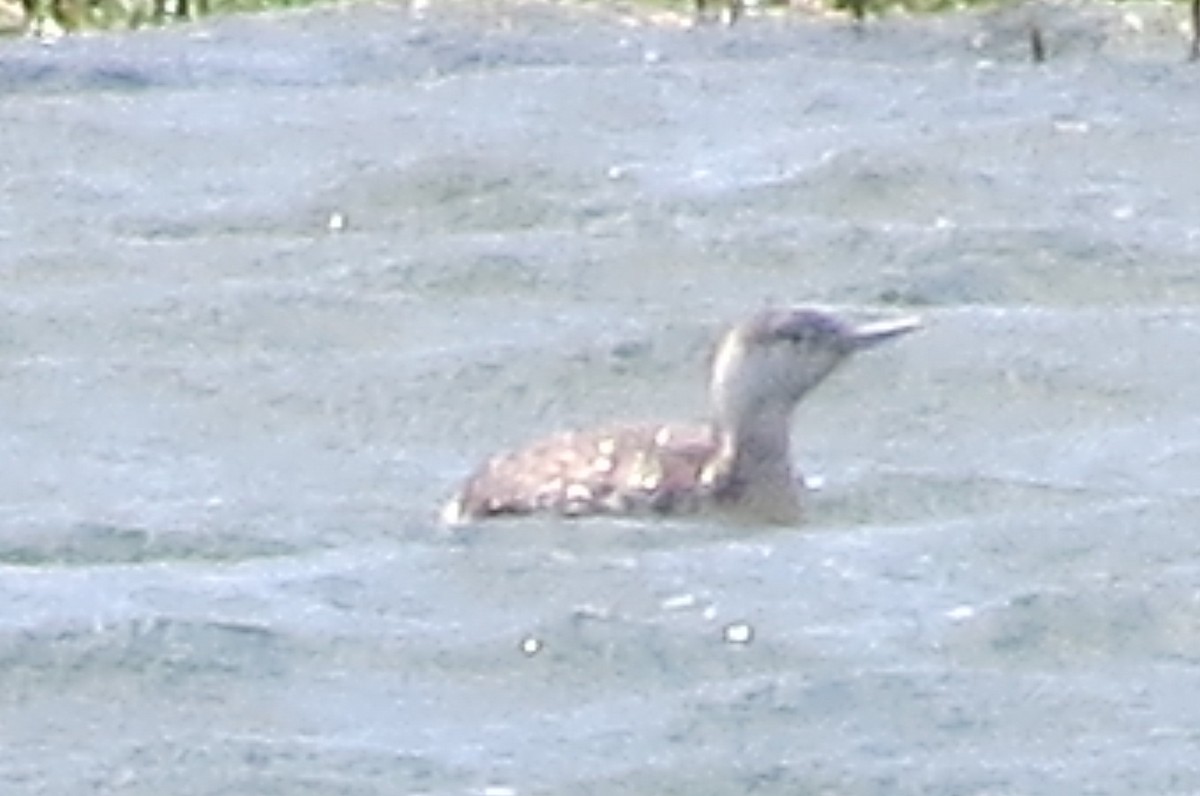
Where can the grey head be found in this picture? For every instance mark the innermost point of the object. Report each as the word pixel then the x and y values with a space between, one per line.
pixel 762 368
pixel 765 365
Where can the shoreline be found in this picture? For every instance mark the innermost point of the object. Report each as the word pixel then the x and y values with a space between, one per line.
pixel 53 18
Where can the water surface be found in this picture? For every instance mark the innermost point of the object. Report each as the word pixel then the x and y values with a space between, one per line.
pixel 229 426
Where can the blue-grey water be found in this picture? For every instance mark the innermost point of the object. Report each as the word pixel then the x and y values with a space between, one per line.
pixel 271 286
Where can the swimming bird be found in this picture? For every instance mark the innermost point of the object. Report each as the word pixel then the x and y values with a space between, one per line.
pixel 739 461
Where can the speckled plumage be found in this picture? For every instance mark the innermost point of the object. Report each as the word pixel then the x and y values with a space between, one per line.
pixel 739 461
pixel 619 470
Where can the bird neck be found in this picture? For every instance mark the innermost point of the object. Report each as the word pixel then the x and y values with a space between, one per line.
pixel 757 445
pixel 755 467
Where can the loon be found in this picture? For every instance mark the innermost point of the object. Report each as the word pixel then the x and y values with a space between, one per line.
pixel 739 462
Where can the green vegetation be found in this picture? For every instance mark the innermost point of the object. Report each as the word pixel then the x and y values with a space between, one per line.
pixel 72 15
pixel 868 7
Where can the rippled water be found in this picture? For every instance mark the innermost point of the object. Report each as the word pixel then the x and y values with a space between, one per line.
pixel 229 426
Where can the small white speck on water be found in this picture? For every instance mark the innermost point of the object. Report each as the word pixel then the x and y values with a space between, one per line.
pixel 739 633
pixel 499 790
pixel 814 483
pixel 1071 126
pixel 679 602
pixel 961 613
pixel 530 646
pixel 337 222
pixel 710 613
pixel 562 557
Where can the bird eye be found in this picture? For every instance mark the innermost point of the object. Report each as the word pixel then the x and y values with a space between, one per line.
pixel 810 331
pixel 799 327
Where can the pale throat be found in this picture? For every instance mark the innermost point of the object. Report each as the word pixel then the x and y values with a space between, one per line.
pixel 753 422
pixel 756 444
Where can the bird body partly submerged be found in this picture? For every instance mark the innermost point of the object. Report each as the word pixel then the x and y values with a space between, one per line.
pixel 740 461
pixel 619 470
